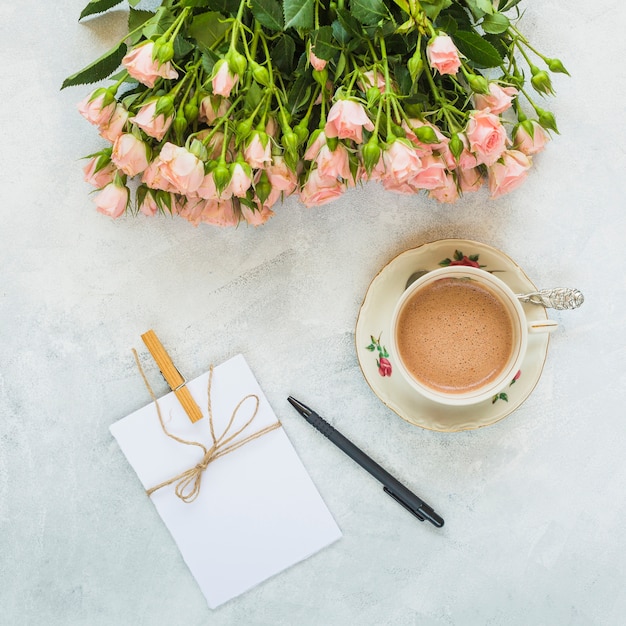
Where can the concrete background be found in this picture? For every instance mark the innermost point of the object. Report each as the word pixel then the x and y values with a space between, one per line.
pixel 534 505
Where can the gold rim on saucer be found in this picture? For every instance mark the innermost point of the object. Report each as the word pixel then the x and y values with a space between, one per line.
pixel 373 336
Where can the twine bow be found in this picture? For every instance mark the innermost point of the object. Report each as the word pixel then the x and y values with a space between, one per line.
pixel 188 482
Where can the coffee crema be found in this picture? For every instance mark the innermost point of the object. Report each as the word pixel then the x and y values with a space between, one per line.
pixel 454 335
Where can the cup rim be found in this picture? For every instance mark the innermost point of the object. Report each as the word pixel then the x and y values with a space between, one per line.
pixel 483 393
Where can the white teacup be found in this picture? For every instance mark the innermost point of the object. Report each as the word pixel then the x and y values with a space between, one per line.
pixel 459 335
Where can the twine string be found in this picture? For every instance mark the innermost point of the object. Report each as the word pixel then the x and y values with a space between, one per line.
pixel 188 483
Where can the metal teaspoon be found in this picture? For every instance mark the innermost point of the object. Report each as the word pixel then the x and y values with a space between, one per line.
pixel 559 298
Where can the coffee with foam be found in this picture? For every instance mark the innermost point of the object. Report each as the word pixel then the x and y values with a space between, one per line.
pixel 455 335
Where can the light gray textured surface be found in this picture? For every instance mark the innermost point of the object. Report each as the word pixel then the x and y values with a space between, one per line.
pixel 534 506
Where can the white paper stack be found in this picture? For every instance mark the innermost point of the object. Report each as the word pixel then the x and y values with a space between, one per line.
pixel 258 512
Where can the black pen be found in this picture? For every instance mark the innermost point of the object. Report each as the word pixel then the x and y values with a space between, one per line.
pixel 393 487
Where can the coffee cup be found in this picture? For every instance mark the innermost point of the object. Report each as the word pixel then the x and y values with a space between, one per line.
pixel 460 335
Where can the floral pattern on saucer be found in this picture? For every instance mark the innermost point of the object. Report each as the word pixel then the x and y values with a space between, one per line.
pixel 382 362
pixel 375 317
pixel 461 259
pixel 503 395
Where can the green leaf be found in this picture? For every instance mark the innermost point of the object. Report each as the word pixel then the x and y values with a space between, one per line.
pixel 432 8
pixel 99 69
pixel 133 3
pixel 253 96
pixel 448 24
pixel 509 5
pixel 324 44
pixel 161 21
pixel 209 28
pixel 495 24
pixel 484 5
pixel 369 12
pixel 459 15
pixel 268 13
pixel 340 33
pixel 224 6
pixel 350 23
pixel 499 43
pixel 282 53
pixel 300 93
pixel 135 19
pixel 98 6
pixel 182 47
pixel 298 14
pixel 477 49
pixel 340 67
pixel 209 59
pixel 480 7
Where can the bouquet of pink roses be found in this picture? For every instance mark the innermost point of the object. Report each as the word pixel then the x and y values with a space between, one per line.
pixel 223 107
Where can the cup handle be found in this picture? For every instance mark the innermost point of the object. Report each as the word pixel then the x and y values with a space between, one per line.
pixel 542 326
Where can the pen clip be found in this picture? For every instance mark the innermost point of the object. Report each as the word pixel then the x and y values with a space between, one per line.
pixel 404 504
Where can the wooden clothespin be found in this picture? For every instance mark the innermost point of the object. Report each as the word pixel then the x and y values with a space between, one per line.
pixel 172 376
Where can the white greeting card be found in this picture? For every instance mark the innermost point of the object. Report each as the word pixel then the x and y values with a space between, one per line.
pixel 257 511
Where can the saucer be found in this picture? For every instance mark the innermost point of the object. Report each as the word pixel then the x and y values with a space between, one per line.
pixel 373 336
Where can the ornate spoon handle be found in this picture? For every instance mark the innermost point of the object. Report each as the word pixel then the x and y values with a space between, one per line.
pixel 559 298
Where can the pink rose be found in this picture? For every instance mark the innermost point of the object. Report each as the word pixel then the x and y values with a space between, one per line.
pixel 318 190
pixel 508 173
pixel 384 366
pixel 334 163
pixel 153 125
pixel 98 107
pixel 149 205
pixel 214 143
pixel 256 217
pixel 217 212
pixel 271 200
pixel 467 160
pixel 112 129
pixel 447 193
pixel 223 81
pixel 193 208
pixel 469 179
pixel 154 179
pixel 486 136
pixel 465 261
pixel 181 168
pixel 317 141
pixel 530 142
pixel 258 152
pixel 443 55
pixel 400 162
pixel 208 189
pixel 112 200
pixel 424 148
pixel 140 64
pixel 212 108
pixel 372 78
pixel 346 120
pixel 271 128
pixel 240 180
pixel 498 100
pixel 317 63
pixel 281 176
pixel 130 154
pixel 431 175
pixel 159 201
pixel 99 171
